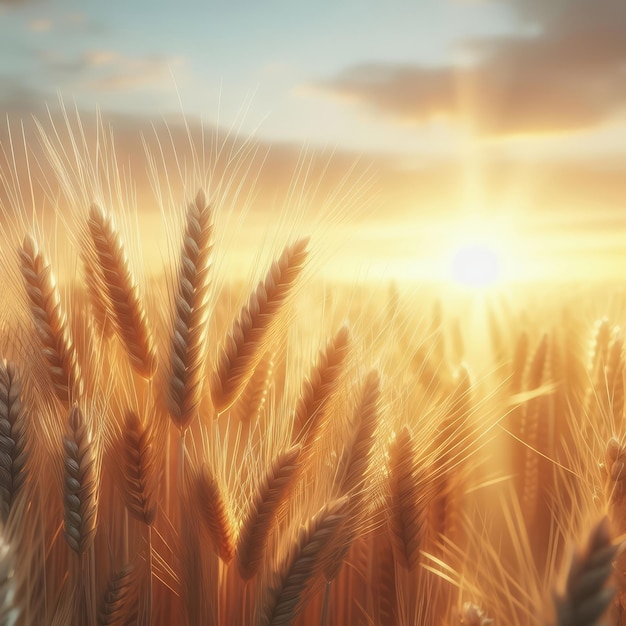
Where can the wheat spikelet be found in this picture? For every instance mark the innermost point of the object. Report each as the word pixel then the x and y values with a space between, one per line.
pixel 189 335
pixel 318 388
pixel 96 292
pixel 50 323
pixel 405 508
pixel 119 605
pixel 272 492
pixel 13 453
pixel 251 402
pixel 245 343
pixel 209 500
pixel 599 347
pixel 615 490
pixel 586 598
pixel 365 423
pixel 291 585
pixel 128 312
pixel 139 469
pixel 615 380
pixel 80 486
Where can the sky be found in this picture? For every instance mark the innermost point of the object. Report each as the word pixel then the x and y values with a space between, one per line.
pixel 513 109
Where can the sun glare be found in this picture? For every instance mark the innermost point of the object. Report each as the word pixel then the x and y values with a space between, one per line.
pixel 475 265
pixel 479 253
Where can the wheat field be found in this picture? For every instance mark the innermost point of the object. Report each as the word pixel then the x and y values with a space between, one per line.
pixel 187 448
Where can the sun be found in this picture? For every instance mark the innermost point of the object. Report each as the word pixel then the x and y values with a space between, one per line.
pixel 479 254
pixel 475 265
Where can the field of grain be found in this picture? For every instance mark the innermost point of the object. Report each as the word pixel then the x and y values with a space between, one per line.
pixel 180 447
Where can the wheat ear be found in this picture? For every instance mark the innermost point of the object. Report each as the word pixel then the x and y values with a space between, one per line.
pixel 246 341
pixel 192 314
pixel 129 314
pixel 317 389
pixel 209 500
pixel 119 606
pixel 139 469
pixel 96 290
pixel 365 423
pixel 80 487
pixel 13 453
pixel 251 401
pixel 293 581
pixel 586 598
pixel 50 322
pixel 357 462
pixel 406 510
pixel 272 492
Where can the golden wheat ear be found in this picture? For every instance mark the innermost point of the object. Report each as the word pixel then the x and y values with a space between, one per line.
pixel 13 452
pixel 586 598
pixel 246 342
pixel 293 583
pixel 139 469
pixel 50 323
pixel 208 499
pixel 119 605
pixel 188 345
pixel 272 492
pixel 128 313
pixel 407 508
pixel 80 484
pixel 318 388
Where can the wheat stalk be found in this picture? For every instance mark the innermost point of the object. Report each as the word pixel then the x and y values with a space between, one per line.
pixel 246 341
pixel 271 493
pixel 50 323
pixel 292 581
pixel 129 314
pixel 189 335
pixel 139 469
pixel 13 452
pixel 80 485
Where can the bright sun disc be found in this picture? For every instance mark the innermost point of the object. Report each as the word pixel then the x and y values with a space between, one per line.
pixel 476 265
pixel 479 252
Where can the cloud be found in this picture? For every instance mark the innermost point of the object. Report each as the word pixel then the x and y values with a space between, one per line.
pixel 570 74
pixel 121 72
pixel 107 70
